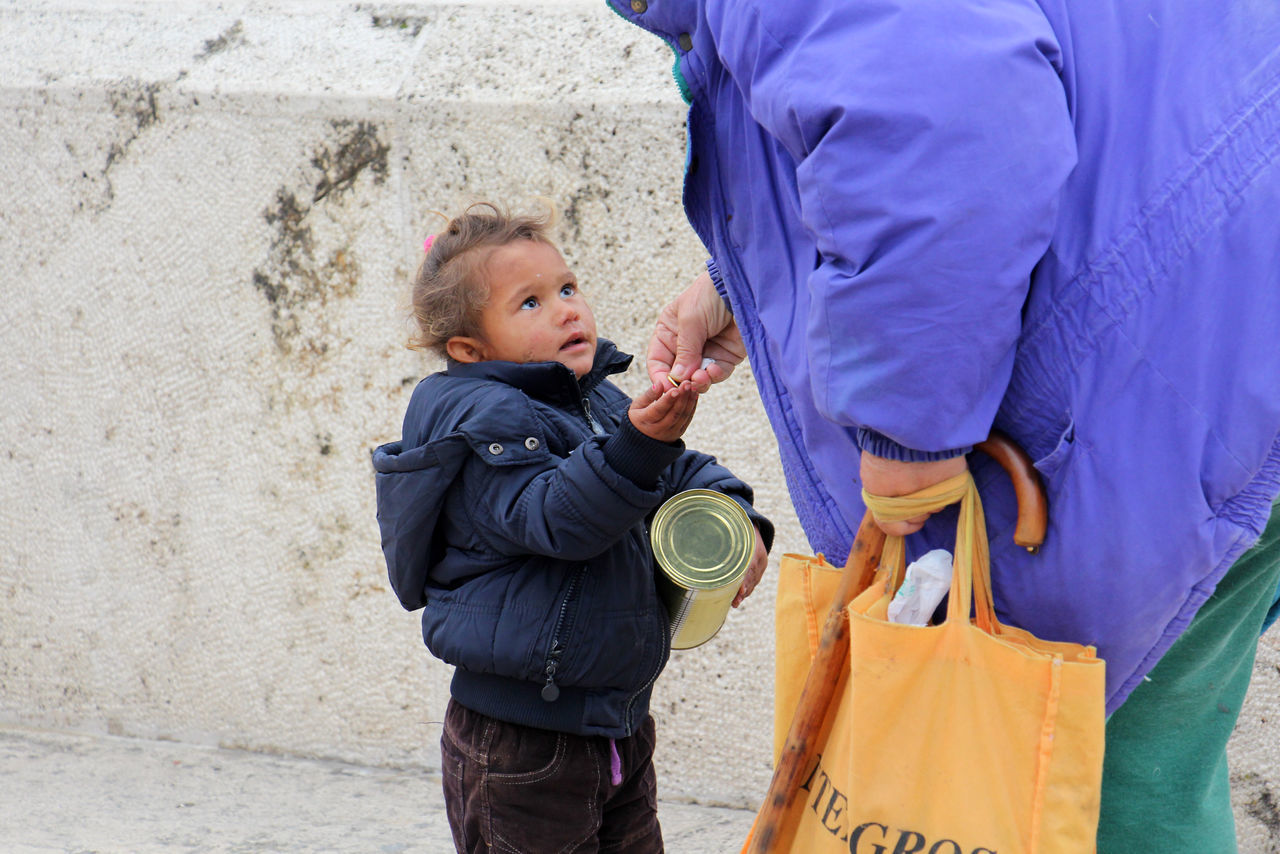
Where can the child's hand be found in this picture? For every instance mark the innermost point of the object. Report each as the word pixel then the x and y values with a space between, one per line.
pixel 664 414
pixel 755 571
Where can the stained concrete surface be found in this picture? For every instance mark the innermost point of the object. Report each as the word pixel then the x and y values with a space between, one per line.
pixel 82 793
pixel 219 211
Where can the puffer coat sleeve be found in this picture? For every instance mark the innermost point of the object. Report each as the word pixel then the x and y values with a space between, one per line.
pixel 931 141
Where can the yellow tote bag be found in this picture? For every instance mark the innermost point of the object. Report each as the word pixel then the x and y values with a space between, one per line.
pixel 967 737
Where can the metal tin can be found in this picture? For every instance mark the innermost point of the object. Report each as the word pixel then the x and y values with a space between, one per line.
pixel 703 542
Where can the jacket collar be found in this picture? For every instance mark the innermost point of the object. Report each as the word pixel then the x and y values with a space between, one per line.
pixel 549 381
pixel 676 23
pixel 668 19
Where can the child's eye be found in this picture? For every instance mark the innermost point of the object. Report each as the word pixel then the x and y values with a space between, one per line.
pixel 530 302
pixel 568 289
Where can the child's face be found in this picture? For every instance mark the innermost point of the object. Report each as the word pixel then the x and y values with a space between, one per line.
pixel 534 313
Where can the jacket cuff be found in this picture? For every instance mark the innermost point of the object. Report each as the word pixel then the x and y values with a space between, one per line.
pixel 638 458
pixel 713 270
pixel 764 526
pixel 882 446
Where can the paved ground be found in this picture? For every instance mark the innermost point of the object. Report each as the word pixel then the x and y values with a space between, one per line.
pixel 94 794
pixel 62 792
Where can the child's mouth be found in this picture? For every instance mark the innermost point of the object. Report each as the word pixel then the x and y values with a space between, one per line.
pixel 574 342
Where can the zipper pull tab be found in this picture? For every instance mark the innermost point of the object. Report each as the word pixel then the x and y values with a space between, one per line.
pixel 591 419
pixel 551 691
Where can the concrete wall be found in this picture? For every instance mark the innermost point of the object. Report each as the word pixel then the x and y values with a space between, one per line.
pixel 210 216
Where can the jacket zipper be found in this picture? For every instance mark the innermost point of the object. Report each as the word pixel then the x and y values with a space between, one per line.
pixel 591 419
pixel 551 691
pixel 631 701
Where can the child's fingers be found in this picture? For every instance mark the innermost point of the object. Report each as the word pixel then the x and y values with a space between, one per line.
pixel 755 571
pixel 646 397
pixel 666 413
pixel 689 403
pixel 683 407
pixel 660 407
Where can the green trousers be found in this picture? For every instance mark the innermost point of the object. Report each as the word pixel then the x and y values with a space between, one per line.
pixel 1165 786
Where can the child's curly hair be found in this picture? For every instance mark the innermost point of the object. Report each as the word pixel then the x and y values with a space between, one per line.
pixel 450 289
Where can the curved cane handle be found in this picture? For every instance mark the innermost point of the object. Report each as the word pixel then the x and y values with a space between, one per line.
pixel 1033 507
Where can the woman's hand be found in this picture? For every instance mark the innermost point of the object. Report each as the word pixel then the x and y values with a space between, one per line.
pixel 891 478
pixel 691 329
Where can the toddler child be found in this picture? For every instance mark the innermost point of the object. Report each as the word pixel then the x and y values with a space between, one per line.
pixel 514 512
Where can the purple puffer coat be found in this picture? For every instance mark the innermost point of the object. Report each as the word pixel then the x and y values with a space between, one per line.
pixel 931 218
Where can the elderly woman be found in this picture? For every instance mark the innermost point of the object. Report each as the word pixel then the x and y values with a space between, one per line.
pixel 927 219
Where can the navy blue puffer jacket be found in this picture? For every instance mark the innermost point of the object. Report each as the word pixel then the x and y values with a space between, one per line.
pixel 513 511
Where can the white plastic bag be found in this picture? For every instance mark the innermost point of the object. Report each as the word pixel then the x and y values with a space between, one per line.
pixel 926 581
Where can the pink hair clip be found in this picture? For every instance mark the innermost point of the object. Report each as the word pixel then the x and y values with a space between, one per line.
pixel 426 244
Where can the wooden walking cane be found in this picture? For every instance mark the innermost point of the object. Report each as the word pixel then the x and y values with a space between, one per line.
pixel 773 829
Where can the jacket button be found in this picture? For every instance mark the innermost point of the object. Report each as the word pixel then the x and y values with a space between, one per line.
pixel 495 449
pixel 531 443
pixel 638 6
pixel 686 43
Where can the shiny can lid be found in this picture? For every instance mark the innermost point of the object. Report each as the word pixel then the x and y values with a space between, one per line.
pixel 703 540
